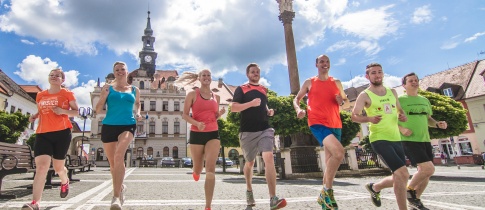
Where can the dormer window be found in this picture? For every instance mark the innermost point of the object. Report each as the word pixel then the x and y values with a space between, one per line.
pixel 448 92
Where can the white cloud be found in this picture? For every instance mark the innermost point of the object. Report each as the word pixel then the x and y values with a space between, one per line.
pixel 422 15
pixel 475 36
pixel 389 81
pixel 25 41
pixel 355 3
pixel 36 70
pixel 264 82
pixel 341 61
pixel 449 45
pixel 352 47
pixel 371 24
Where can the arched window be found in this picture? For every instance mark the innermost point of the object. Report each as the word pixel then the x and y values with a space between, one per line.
pixel 165 152
pixel 99 154
pixel 150 151
pixel 142 85
pixel 233 154
pixel 175 152
pixel 139 152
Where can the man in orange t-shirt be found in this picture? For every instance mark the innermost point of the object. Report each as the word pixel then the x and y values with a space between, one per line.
pixel 325 96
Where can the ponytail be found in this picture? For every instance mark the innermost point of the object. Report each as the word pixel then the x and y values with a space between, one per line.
pixel 187 78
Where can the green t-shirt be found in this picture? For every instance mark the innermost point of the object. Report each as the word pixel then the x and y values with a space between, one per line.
pixel 384 106
pixel 417 109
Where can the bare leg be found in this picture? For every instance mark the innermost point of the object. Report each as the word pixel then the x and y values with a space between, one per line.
pixel 270 172
pixel 248 174
pixel 400 177
pixel 334 153
pixel 117 152
pixel 211 152
pixel 421 177
pixel 60 169
pixel 197 152
pixel 42 165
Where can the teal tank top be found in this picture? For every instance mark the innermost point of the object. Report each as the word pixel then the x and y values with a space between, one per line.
pixel 385 106
pixel 120 107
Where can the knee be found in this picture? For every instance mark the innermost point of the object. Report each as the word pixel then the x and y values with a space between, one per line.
pixel 59 169
pixel 427 171
pixel 339 154
pixel 402 174
pixel 210 176
pixel 42 168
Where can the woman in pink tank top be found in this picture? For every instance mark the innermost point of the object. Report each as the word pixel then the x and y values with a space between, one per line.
pixel 204 132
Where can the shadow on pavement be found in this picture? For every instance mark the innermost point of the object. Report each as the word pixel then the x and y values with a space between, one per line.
pixel 456 179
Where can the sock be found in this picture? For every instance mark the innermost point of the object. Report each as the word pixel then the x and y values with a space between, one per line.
pixel 410 188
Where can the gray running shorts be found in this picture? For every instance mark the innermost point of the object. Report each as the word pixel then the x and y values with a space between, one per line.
pixel 254 142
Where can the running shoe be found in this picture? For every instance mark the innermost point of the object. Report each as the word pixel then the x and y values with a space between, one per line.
pixel 250 198
pixel 276 203
pixel 195 176
pixel 64 189
pixel 375 196
pixel 333 202
pixel 115 204
pixel 31 206
pixel 414 203
pixel 323 200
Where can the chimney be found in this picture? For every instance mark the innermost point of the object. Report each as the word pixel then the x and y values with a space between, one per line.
pixel 219 85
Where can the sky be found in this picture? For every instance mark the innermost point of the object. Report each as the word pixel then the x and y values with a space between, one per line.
pixel 85 38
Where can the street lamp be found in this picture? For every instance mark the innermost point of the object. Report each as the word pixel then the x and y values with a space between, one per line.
pixel 84 113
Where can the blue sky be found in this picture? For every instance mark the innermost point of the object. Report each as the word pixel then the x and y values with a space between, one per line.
pixel 86 37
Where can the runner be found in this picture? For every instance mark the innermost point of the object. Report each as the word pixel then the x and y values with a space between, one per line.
pixel 325 96
pixel 383 112
pixel 255 134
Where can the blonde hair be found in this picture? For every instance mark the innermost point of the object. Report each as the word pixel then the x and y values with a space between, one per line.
pixel 62 72
pixel 114 65
pixel 189 77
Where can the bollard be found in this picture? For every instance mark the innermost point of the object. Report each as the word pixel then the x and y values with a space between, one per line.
pixel 483 167
pixel 458 166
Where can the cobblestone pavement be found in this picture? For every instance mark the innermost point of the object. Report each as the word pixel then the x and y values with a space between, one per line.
pixel 173 188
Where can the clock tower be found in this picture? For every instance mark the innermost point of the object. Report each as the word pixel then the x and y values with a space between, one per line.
pixel 148 55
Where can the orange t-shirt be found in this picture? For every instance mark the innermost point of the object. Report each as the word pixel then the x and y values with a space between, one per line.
pixel 322 106
pixel 48 120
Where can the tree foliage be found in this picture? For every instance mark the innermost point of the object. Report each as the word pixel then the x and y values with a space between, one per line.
pixel 446 109
pixel 228 133
pixel 12 125
pixel 31 141
pixel 349 128
pixel 365 144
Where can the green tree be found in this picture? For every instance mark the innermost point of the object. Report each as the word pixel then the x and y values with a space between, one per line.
pixel 228 132
pixel 446 109
pixel 31 141
pixel 12 125
pixel 349 128
pixel 365 143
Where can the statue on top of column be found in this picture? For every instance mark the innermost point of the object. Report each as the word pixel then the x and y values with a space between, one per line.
pixel 285 5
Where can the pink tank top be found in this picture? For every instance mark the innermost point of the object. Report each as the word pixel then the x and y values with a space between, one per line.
pixel 205 110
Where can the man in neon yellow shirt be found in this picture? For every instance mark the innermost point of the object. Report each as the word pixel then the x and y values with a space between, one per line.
pixel 415 138
pixel 383 112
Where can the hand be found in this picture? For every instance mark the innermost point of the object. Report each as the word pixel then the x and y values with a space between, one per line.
pixel 339 99
pixel 300 113
pixel 104 91
pixel 256 102
pixel 442 124
pixel 270 112
pixel 200 126
pixel 138 117
pixel 33 117
pixel 402 117
pixel 222 111
pixel 58 110
pixel 375 119
pixel 405 131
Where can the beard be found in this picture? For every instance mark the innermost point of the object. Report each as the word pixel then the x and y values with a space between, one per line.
pixel 376 83
pixel 254 80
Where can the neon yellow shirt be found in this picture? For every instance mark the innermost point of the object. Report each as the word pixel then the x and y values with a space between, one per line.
pixel 384 106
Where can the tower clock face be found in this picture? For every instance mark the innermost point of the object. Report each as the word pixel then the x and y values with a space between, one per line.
pixel 148 58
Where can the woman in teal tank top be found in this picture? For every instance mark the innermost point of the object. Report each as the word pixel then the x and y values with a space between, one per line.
pixel 119 125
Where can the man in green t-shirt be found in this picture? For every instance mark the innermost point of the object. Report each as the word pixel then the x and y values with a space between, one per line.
pixel 415 138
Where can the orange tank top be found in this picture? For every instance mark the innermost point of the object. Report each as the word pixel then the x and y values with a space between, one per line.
pixel 322 106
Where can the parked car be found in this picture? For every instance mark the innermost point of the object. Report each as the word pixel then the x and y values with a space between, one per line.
pixel 187 161
pixel 228 161
pixel 167 161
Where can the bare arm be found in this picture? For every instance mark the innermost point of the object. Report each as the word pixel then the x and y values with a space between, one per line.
pixel 296 101
pixel 237 107
pixel 72 112
pixel 402 115
pixel 103 95
pixel 137 104
pixel 343 96
pixel 437 124
pixel 362 100
pixel 221 111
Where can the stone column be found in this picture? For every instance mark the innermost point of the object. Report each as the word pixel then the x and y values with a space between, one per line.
pixel 352 159
pixel 286 16
pixel 321 157
pixel 285 153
